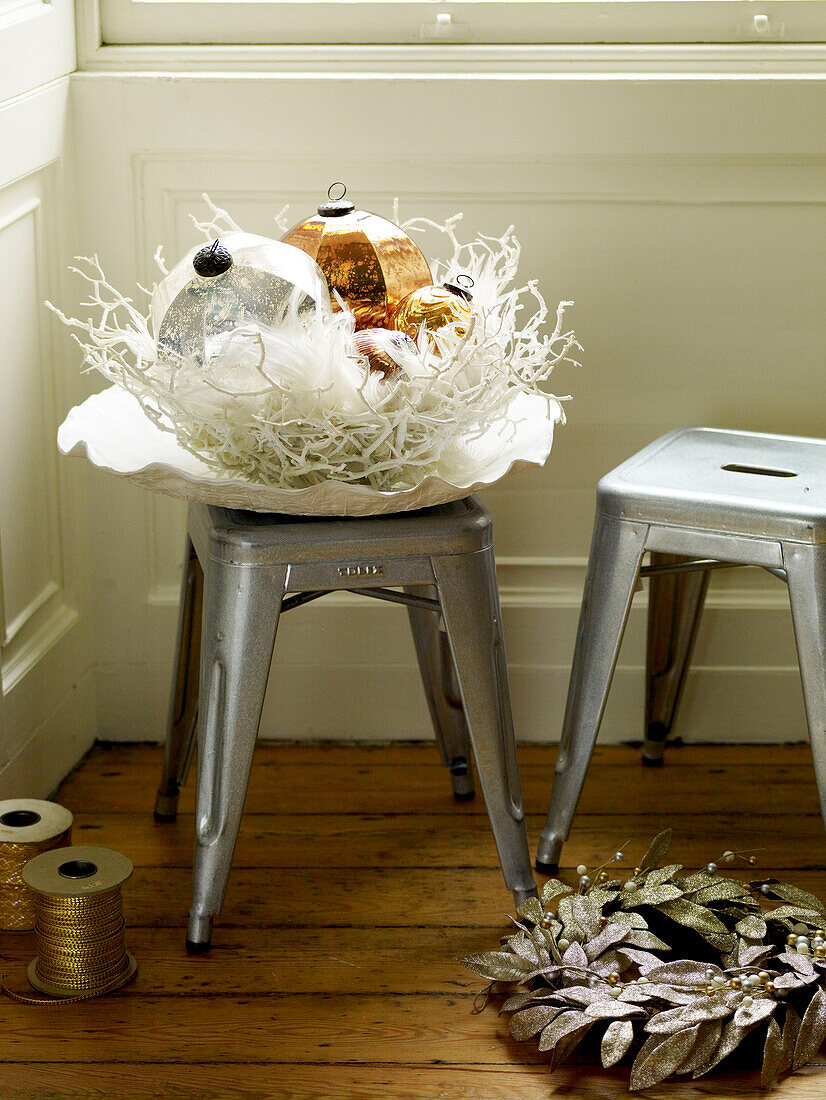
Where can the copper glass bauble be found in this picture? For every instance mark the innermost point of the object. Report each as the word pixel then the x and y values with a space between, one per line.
pixel 241 279
pixel 370 262
pixel 434 307
pixel 385 351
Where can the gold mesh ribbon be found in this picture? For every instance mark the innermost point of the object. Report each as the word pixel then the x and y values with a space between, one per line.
pixel 17 908
pixel 81 947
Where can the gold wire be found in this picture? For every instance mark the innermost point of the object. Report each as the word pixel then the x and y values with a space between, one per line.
pixel 17 908
pixel 81 947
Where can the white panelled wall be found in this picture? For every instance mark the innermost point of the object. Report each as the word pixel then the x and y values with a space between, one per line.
pixel 686 217
pixel 47 700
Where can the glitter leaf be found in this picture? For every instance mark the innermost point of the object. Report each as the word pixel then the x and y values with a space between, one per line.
pixel 615 1042
pixel 552 889
pixel 657 851
pixel 611 934
pixel 675 1019
pixel 613 1009
pixel 786 892
pixel 531 910
pixel 654 1064
pixel 499 966
pixel 748 1015
pixel 567 1023
pixel 575 956
pixel 772 1054
pixel 708 1036
pixel 812 1030
pixel 653 895
pixel 532 1020
pixel 732 1035
pixel 791 1029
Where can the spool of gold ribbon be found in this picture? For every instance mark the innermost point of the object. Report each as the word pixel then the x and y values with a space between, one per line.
pixel 79 928
pixel 28 827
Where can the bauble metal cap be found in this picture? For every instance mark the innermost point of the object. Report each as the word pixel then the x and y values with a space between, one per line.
pixel 338 207
pixel 213 259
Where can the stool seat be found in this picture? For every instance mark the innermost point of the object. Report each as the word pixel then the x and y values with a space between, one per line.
pixel 240 570
pixel 695 500
pixel 710 479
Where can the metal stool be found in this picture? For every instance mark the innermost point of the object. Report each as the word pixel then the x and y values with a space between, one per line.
pixel 698 499
pixel 442 558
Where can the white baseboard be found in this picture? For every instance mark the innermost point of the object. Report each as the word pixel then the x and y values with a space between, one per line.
pixel 345 668
pixel 54 748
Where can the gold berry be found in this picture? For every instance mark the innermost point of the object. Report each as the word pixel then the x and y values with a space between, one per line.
pixel 791 939
pixel 735 983
pixel 613 978
pixel 769 987
pixel 764 976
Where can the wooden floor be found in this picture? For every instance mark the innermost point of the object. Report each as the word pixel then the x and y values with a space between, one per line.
pixel 357 882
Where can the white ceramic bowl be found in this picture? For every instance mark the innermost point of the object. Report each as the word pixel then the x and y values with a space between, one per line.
pixel 112 431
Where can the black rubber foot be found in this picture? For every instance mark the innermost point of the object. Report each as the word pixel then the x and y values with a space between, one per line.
pixel 467 796
pixel 546 868
pixel 652 761
pixel 194 948
pixel 164 819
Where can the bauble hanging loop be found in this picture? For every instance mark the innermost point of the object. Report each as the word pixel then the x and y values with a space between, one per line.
pixel 369 262
pixel 336 208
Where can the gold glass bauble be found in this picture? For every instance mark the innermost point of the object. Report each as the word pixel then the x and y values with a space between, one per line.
pixel 384 350
pixel 433 307
pixel 370 262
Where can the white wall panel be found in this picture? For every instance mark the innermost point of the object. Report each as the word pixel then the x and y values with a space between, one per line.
pixel 46 705
pixel 686 217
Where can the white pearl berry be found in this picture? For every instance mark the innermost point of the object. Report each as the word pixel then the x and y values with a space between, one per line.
pixel 711 868
pixel 747 1001
pixel 619 857
pixel 581 869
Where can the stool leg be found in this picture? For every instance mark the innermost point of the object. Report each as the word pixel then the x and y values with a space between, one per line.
pixel 443 696
pixel 183 707
pixel 675 606
pixel 470 605
pixel 806 570
pixel 241 608
pixel 617 548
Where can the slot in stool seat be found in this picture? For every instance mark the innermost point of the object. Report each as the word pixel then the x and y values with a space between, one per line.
pixel 244 569
pixel 696 499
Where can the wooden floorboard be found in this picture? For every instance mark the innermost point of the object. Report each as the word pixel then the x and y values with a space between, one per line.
pixel 357 883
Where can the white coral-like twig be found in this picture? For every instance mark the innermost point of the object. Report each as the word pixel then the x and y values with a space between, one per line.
pixel 296 405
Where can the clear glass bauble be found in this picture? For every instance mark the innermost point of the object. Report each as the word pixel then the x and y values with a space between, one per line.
pixel 268 281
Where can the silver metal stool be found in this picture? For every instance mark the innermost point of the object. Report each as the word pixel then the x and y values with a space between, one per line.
pixel 442 559
pixel 698 499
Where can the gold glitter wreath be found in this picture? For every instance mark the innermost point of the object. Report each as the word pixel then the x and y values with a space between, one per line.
pixel 678 966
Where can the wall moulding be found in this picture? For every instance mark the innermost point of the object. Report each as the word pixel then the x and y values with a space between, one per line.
pixel 617 62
